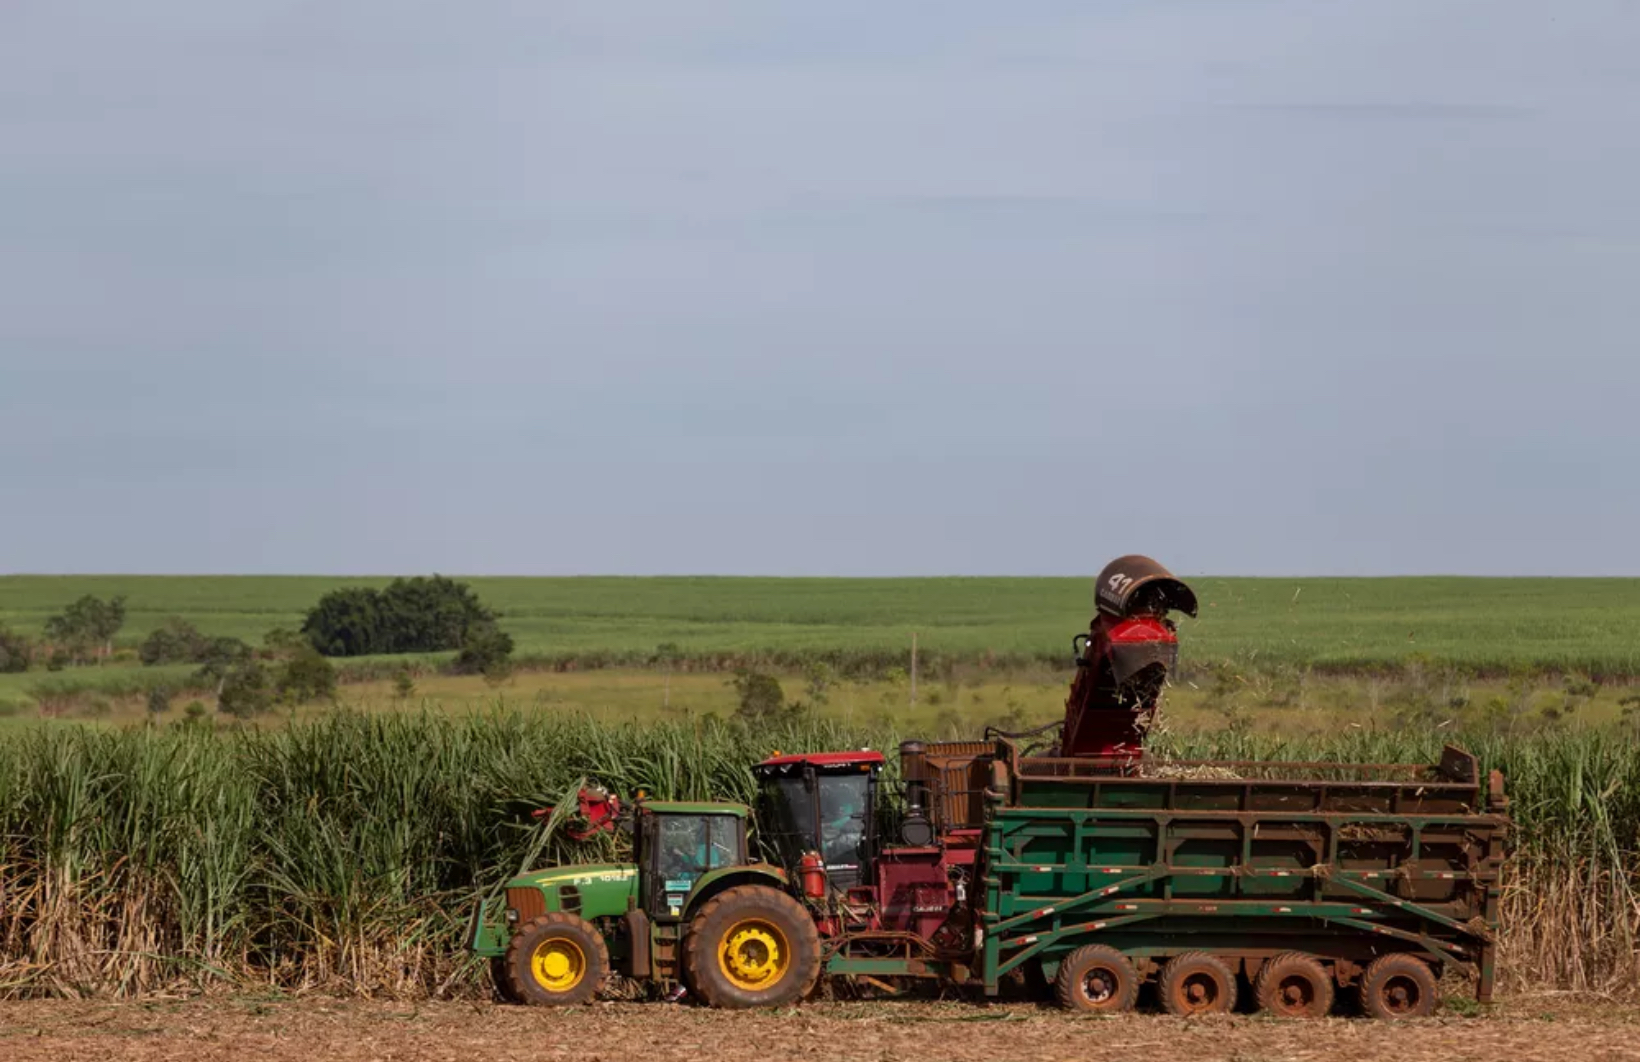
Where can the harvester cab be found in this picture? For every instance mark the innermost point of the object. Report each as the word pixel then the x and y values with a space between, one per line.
pixel 1123 662
pixel 817 814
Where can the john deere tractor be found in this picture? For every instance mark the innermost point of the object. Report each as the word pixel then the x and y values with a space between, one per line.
pixel 693 909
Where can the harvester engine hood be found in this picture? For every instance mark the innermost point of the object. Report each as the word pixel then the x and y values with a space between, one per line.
pixel 1124 660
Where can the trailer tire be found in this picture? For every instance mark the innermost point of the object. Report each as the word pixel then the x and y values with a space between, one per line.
pixel 1097 979
pixel 556 960
pixel 1294 985
pixel 751 946
pixel 1399 986
pixel 1197 983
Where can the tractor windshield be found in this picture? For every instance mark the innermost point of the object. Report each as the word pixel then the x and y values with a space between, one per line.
pixel 687 846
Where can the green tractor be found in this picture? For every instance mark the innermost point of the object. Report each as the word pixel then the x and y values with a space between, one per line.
pixel 693 909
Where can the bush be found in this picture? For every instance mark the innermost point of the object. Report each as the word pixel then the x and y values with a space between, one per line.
pixel 177 642
pixel 487 651
pixel 159 700
pixel 15 651
pixel 307 676
pixel 417 615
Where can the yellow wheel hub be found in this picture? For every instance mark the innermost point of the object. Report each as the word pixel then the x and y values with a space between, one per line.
pixel 754 955
pixel 558 964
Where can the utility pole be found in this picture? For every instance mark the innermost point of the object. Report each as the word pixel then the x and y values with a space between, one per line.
pixel 913 669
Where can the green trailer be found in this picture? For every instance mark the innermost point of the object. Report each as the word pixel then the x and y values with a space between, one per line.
pixel 1295 878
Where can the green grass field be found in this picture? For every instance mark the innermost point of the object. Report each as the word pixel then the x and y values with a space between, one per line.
pixel 1487 625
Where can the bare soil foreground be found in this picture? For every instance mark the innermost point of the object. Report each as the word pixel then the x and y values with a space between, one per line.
pixel 314 1029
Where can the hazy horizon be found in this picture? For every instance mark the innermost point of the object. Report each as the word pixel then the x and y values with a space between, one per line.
pixel 1251 286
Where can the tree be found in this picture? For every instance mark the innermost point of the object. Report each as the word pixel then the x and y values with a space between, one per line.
pixel 88 626
pixel 176 642
pixel 220 658
pixel 159 700
pixel 487 651
pixel 346 622
pixel 285 643
pixel 15 651
pixel 429 615
pixel 245 690
pixel 761 696
pixel 306 676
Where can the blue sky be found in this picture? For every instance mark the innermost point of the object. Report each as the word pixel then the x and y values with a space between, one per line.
pixel 846 288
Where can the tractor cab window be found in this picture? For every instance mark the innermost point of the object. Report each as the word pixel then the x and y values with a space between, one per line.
pixel 687 846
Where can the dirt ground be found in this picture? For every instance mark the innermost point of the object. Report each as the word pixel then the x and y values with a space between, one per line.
pixel 316 1029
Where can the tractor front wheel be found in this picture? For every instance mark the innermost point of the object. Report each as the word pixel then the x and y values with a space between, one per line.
pixel 556 960
pixel 751 946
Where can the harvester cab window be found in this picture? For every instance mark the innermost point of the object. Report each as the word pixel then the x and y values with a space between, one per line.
pixel 843 803
pixel 828 811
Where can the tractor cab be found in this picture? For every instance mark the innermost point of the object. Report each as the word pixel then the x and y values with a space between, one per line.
pixel 817 816
pixel 677 844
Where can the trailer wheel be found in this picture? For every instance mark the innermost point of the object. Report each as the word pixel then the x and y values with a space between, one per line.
pixel 1294 985
pixel 1396 987
pixel 751 946
pixel 1197 983
pixel 556 960
pixel 1098 979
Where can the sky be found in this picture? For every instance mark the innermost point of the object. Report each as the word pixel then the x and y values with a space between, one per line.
pixel 853 288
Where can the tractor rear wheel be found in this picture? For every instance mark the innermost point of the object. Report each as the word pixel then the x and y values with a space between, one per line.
pixel 1197 983
pixel 751 946
pixel 1398 986
pixel 1294 985
pixel 556 960
pixel 1097 979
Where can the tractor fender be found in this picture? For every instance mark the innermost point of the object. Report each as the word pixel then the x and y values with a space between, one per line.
pixel 715 881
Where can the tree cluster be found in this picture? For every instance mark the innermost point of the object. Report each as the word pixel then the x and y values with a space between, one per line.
pixel 176 642
pixel 15 651
pixel 86 628
pixel 420 615
pixel 245 686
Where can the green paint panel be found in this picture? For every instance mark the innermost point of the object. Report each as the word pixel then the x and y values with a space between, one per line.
pixel 687 807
